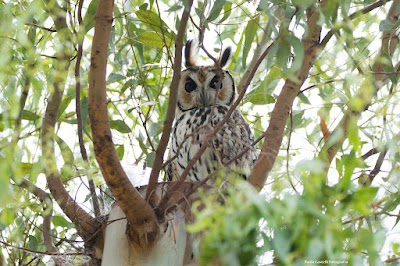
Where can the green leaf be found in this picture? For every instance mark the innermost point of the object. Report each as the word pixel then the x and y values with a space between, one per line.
pixel 32 242
pixel 120 151
pixel 120 126
pixel 227 11
pixel 216 10
pixel 298 49
pixel 174 8
pixel 249 33
pixel 66 152
pixel 388 25
pixel 88 20
pixel 303 3
pixel 113 77
pixel 85 115
pixel 298 119
pixel 259 98
pixel 64 104
pixel 152 20
pixel 304 98
pixel 7 217
pixel 362 199
pixel 29 115
pixel 150 159
pixel 60 221
pixel 153 39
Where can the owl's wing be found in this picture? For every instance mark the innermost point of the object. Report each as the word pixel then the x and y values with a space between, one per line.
pixel 232 141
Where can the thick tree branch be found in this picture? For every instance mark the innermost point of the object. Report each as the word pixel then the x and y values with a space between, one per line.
pixel 143 226
pixel 158 159
pixel 280 114
pixel 85 224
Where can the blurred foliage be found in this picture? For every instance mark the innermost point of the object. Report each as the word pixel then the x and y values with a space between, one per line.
pixel 306 215
pixel 239 227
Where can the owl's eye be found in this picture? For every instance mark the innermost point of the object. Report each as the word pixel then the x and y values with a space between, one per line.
pixel 190 85
pixel 214 82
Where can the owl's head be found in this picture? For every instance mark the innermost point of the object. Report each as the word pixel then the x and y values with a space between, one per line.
pixel 204 86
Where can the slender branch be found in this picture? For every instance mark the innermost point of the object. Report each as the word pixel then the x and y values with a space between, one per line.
pixel 43 252
pixel 40 27
pixel 92 189
pixel 158 159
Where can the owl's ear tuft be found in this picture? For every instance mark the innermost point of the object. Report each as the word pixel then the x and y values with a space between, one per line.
pixel 224 57
pixel 190 54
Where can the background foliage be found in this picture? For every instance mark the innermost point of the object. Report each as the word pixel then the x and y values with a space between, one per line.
pixel 347 214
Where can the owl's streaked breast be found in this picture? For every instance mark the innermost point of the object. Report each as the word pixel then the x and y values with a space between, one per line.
pixel 190 131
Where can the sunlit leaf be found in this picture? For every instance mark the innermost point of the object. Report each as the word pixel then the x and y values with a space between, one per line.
pixel 120 151
pixel 153 39
pixel 227 12
pixel 259 98
pixel 216 10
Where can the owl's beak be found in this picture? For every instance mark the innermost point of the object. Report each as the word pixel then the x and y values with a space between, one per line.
pixel 205 99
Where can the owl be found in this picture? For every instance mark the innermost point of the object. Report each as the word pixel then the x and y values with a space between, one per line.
pixel 205 94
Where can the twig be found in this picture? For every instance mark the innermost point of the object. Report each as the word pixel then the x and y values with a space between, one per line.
pixel 45 252
pixel 92 188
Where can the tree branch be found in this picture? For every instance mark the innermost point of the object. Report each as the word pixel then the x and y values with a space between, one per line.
pixel 158 159
pixel 280 114
pixel 143 227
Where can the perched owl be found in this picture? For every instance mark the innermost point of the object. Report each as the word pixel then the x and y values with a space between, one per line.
pixel 205 94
